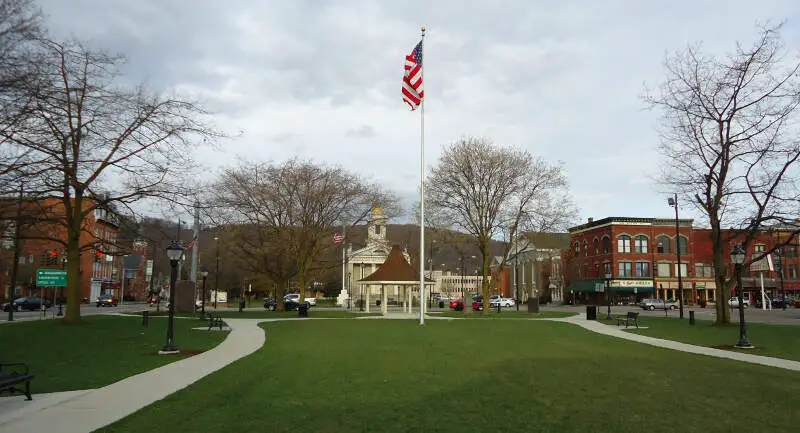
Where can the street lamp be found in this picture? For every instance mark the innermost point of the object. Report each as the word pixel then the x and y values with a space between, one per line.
pixel 673 201
pixel 779 268
pixel 608 295
pixel 216 274
pixel 204 274
pixel 737 257
pixel 174 253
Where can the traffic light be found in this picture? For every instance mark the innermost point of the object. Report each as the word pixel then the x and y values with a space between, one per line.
pixel 50 258
pixel 98 256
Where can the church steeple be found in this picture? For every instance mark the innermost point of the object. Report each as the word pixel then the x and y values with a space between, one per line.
pixel 376 230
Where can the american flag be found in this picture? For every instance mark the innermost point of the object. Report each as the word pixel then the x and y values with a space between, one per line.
pixel 190 244
pixel 337 239
pixel 413 92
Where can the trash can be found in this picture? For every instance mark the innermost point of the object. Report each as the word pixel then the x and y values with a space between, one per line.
pixel 302 310
pixel 591 312
pixel 533 305
pixel 145 317
pixel 691 317
pixel 378 303
pixel 441 304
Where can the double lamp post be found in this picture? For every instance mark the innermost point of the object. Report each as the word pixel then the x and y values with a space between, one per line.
pixel 174 254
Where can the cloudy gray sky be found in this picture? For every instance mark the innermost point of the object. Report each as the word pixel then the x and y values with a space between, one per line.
pixel 321 78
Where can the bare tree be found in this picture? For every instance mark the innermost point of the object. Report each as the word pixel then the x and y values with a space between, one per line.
pixel 90 143
pixel 729 142
pixel 488 190
pixel 291 210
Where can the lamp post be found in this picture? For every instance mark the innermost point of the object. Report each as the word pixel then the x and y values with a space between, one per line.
pixel 737 257
pixel 673 201
pixel 216 274
pixel 608 295
pixel 174 253
pixel 779 268
pixel 60 304
pixel 204 274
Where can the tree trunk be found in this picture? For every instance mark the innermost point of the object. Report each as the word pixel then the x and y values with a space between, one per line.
pixel 720 276
pixel 73 313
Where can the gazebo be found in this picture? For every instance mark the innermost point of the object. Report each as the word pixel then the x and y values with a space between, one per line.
pixel 395 271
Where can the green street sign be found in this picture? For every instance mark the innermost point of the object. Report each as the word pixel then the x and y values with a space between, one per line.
pixel 51 278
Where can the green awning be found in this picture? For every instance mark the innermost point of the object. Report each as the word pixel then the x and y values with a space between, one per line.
pixel 589 286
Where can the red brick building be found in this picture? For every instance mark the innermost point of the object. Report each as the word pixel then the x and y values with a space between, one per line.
pixel 40 248
pixel 639 258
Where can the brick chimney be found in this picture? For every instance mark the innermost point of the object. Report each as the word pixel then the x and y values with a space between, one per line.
pixel 591 220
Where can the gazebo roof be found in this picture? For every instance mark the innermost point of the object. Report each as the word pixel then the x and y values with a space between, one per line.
pixel 394 269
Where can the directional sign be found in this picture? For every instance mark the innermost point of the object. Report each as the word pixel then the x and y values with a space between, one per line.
pixel 51 278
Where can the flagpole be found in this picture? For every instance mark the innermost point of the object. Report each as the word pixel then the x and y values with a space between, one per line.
pixel 422 193
pixel 344 264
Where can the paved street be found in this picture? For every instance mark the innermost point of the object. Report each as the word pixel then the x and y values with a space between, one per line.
pixel 86 310
pixel 790 316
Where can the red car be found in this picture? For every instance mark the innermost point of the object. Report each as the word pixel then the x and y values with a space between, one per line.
pixel 477 303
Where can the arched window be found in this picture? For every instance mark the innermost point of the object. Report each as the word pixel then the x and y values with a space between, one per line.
pixel 640 244
pixel 683 245
pixel 585 248
pixel 596 245
pixel 663 244
pixel 624 244
pixel 577 249
pixel 606 244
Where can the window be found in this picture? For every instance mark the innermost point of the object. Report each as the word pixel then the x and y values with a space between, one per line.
pixel 663 270
pixel 793 272
pixel 684 269
pixel 606 244
pixel 640 244
pixel 596 269
pixel 30 259
pixel 759 248
pixel 606 268
pixel 704 270
pixel 624 244
pixel 577 249
pixel 585 248
pixel 683 246
pixel 625 269
pixel 642 269
pixel 596 244
pixel 664 244
pixel 377 230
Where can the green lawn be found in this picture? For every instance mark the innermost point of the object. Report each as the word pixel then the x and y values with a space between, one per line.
pixel 506 314
pixel 103 350
pixel 780 341
pixel 472 375
pixel 263 314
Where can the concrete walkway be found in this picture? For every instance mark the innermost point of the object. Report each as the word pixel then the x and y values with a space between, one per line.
pixel 601 328
pixel 86 411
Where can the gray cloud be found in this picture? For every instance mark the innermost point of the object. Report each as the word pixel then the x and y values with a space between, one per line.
pixel 363 131
pixel 559 78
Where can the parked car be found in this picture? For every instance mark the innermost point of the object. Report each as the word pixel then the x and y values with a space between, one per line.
pixel 494 300
pixel 657 304
pixel 458 304
pixel 774 303
pixel 107 300
pixel 30 303
pixel 733 302
pixel 270 304
pixel 477 303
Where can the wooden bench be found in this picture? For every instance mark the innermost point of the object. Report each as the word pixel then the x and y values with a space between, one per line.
pixel 632 318
pixel 10 378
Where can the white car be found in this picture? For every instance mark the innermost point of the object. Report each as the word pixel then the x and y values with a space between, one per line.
pixel 733 302
pixel 296 298
pixel 503 302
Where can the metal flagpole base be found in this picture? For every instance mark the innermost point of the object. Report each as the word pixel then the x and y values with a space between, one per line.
pixel 744 344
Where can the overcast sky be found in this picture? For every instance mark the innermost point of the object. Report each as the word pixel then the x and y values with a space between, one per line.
pixel 321 78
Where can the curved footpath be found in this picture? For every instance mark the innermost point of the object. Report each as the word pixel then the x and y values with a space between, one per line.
pixel 601 328
pixel 88 410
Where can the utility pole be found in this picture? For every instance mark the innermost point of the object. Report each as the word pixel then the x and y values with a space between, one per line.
pixel 15 265
pixel 195 247
pixel 674 201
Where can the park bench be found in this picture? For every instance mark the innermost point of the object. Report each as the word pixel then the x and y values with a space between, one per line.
pixel 632 318
pixel 9 379
pixel 215 321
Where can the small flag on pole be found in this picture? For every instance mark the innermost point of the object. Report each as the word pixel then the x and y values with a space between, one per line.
pixel 413 92
pixel 190 244
pixel 337 239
